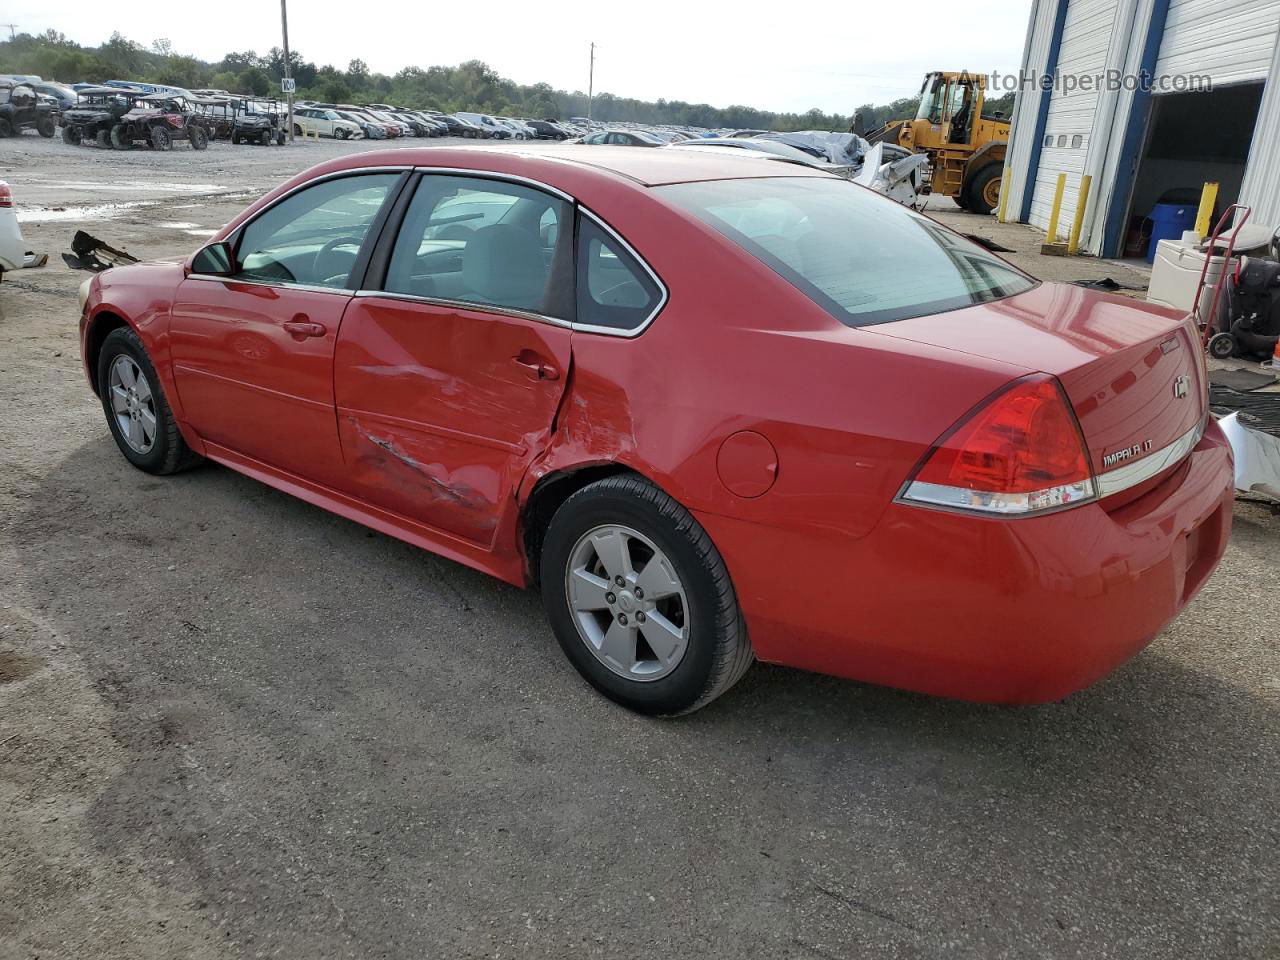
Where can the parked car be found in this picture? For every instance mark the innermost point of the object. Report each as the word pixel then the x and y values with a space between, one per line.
pixel 324 123
pixel 858 408
pixel 158 120
pixel 547 130
pixel 371 130
pixel 387 128
pixel 489 127
pixel 96 111
pixel 258 120
pixel 60 92
pixel 395 127
pixel 622 138
pixel 771 148
pixel 12 247
pixel 21 108
pixel 458 127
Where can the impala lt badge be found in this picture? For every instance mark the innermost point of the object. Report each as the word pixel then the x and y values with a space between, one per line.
pixel 1182 386
pixel 1128 453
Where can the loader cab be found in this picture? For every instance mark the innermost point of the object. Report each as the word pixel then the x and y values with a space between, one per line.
pixel 950 111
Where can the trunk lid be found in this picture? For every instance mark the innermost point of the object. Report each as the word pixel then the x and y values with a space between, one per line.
pixel 1131 370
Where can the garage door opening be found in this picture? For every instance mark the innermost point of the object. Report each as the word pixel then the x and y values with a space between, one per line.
pixel 1192 139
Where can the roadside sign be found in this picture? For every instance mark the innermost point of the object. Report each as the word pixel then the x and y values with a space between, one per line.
pixel 288 85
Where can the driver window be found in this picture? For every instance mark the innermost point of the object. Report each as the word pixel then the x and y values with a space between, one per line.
pixel 314 236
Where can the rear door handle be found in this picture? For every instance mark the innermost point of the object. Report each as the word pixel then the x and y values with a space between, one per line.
pixel 536 367
pixel 300 328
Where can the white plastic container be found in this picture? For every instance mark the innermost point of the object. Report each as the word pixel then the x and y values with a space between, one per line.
pixel 1175 275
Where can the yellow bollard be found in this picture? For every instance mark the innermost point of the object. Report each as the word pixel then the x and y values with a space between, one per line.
pixel 1052 237
pixel 1082 202
pixel 1004 195
pixel 1208 200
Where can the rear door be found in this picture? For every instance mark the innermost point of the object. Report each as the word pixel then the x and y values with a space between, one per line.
pixel 448 377
pixel 253 352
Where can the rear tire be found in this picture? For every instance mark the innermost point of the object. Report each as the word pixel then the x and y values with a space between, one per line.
pixel 161 139
pixel 161 451
pixel 103 138
pixel 120 139
pixel 6 128
pixel 235 138
pixel 199 139
pixel 71 136
pixel 46 126
pixel 713 651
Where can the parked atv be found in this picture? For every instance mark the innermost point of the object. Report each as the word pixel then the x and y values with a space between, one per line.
pixel 158 120
pixel 96 111
pixel 21 107
pixel 258 121
pixel 219 115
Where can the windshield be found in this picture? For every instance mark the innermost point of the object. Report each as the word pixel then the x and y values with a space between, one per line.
pixel 861 257
pixel 931 101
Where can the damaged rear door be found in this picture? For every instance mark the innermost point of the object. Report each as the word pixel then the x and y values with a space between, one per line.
pixel 449 370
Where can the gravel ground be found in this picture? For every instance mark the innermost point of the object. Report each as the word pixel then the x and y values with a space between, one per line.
pixel 232 725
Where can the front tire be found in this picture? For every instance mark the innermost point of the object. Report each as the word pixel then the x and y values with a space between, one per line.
pixel 199 139
pixel 340 134
pixel 137 412
pixel 120 139
pixel 161 139
pixel 640 599
pixel 983 192
pixel 103 138
pixel 46 126
pixel 71 136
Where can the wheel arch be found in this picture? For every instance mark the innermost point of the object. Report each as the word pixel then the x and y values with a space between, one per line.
pixel 551 491
pixel 100 327
pixel 985 156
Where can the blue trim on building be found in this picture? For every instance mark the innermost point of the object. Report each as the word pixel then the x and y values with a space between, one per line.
pixel 1042 118
pixel 1135 136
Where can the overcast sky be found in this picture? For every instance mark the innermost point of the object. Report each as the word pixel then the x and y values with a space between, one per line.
pixel 834 56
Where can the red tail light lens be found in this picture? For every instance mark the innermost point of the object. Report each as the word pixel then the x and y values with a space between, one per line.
pixel 1021 453
pixel 6 196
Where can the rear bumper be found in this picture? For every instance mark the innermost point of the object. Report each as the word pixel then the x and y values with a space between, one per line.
pixel 990 610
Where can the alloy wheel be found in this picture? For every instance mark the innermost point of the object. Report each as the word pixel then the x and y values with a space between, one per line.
pixel 627 602
pixel 132 404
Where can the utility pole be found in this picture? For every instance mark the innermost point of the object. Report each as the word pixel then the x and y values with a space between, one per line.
pixel 591 78
pixel 284 28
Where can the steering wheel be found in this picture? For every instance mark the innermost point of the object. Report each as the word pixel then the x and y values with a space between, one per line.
pixel 319 268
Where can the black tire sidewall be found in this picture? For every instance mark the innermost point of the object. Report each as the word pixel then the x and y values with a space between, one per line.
pixel 689 681
pixel 977 187
pixel 124 340
pixel 160 138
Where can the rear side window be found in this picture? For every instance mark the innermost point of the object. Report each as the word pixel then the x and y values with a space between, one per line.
pixel 614 289
pixel 481 241
pixel 861 257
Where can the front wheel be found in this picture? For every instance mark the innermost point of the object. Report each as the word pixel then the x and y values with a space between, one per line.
pixel 161 139
pixel 120 138
pixel 6 128
pixel 199 139
pixel 71 136
pixel 103 138
pixel 340 133
pixel 640 599
pixel 137 412
pixel 235 138
pixel 46 126
pixel 983 191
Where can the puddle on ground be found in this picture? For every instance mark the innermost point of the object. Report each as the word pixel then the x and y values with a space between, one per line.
pixel 177 225
pixel 100 211
pixel 200 233
pixel 126 186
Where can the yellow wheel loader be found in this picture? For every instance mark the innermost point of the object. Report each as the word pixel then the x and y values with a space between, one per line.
pixel 966 149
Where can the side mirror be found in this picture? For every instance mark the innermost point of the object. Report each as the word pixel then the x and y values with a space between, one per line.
pixel 215 260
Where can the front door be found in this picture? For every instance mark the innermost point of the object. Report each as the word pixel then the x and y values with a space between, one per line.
pixel 448 380
pixel 253 352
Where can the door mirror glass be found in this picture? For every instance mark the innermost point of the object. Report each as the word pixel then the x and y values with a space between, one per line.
pixel 214 260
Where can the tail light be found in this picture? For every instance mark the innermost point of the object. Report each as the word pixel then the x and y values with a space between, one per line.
pixel 1020 453
pixel 6 196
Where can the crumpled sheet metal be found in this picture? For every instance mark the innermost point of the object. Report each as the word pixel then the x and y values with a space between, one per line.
pixel 1257 457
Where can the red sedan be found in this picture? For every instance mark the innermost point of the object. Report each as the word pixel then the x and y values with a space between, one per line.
pixel 717 408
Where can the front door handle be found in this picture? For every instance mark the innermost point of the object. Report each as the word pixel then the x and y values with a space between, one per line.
pixel 535 366
pixel 301 327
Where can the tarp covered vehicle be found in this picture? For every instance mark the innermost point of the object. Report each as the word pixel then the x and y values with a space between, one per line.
pixel 158 120
pixel 96 111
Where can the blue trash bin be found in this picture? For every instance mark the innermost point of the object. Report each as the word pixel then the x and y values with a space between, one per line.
pixel 1169 221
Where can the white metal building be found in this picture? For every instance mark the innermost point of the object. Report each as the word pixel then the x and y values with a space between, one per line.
pixel 1208 110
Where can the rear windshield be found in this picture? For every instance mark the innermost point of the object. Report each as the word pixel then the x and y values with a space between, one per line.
pixel 861 257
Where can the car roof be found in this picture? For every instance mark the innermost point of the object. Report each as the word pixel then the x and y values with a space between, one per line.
pixel 647 167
